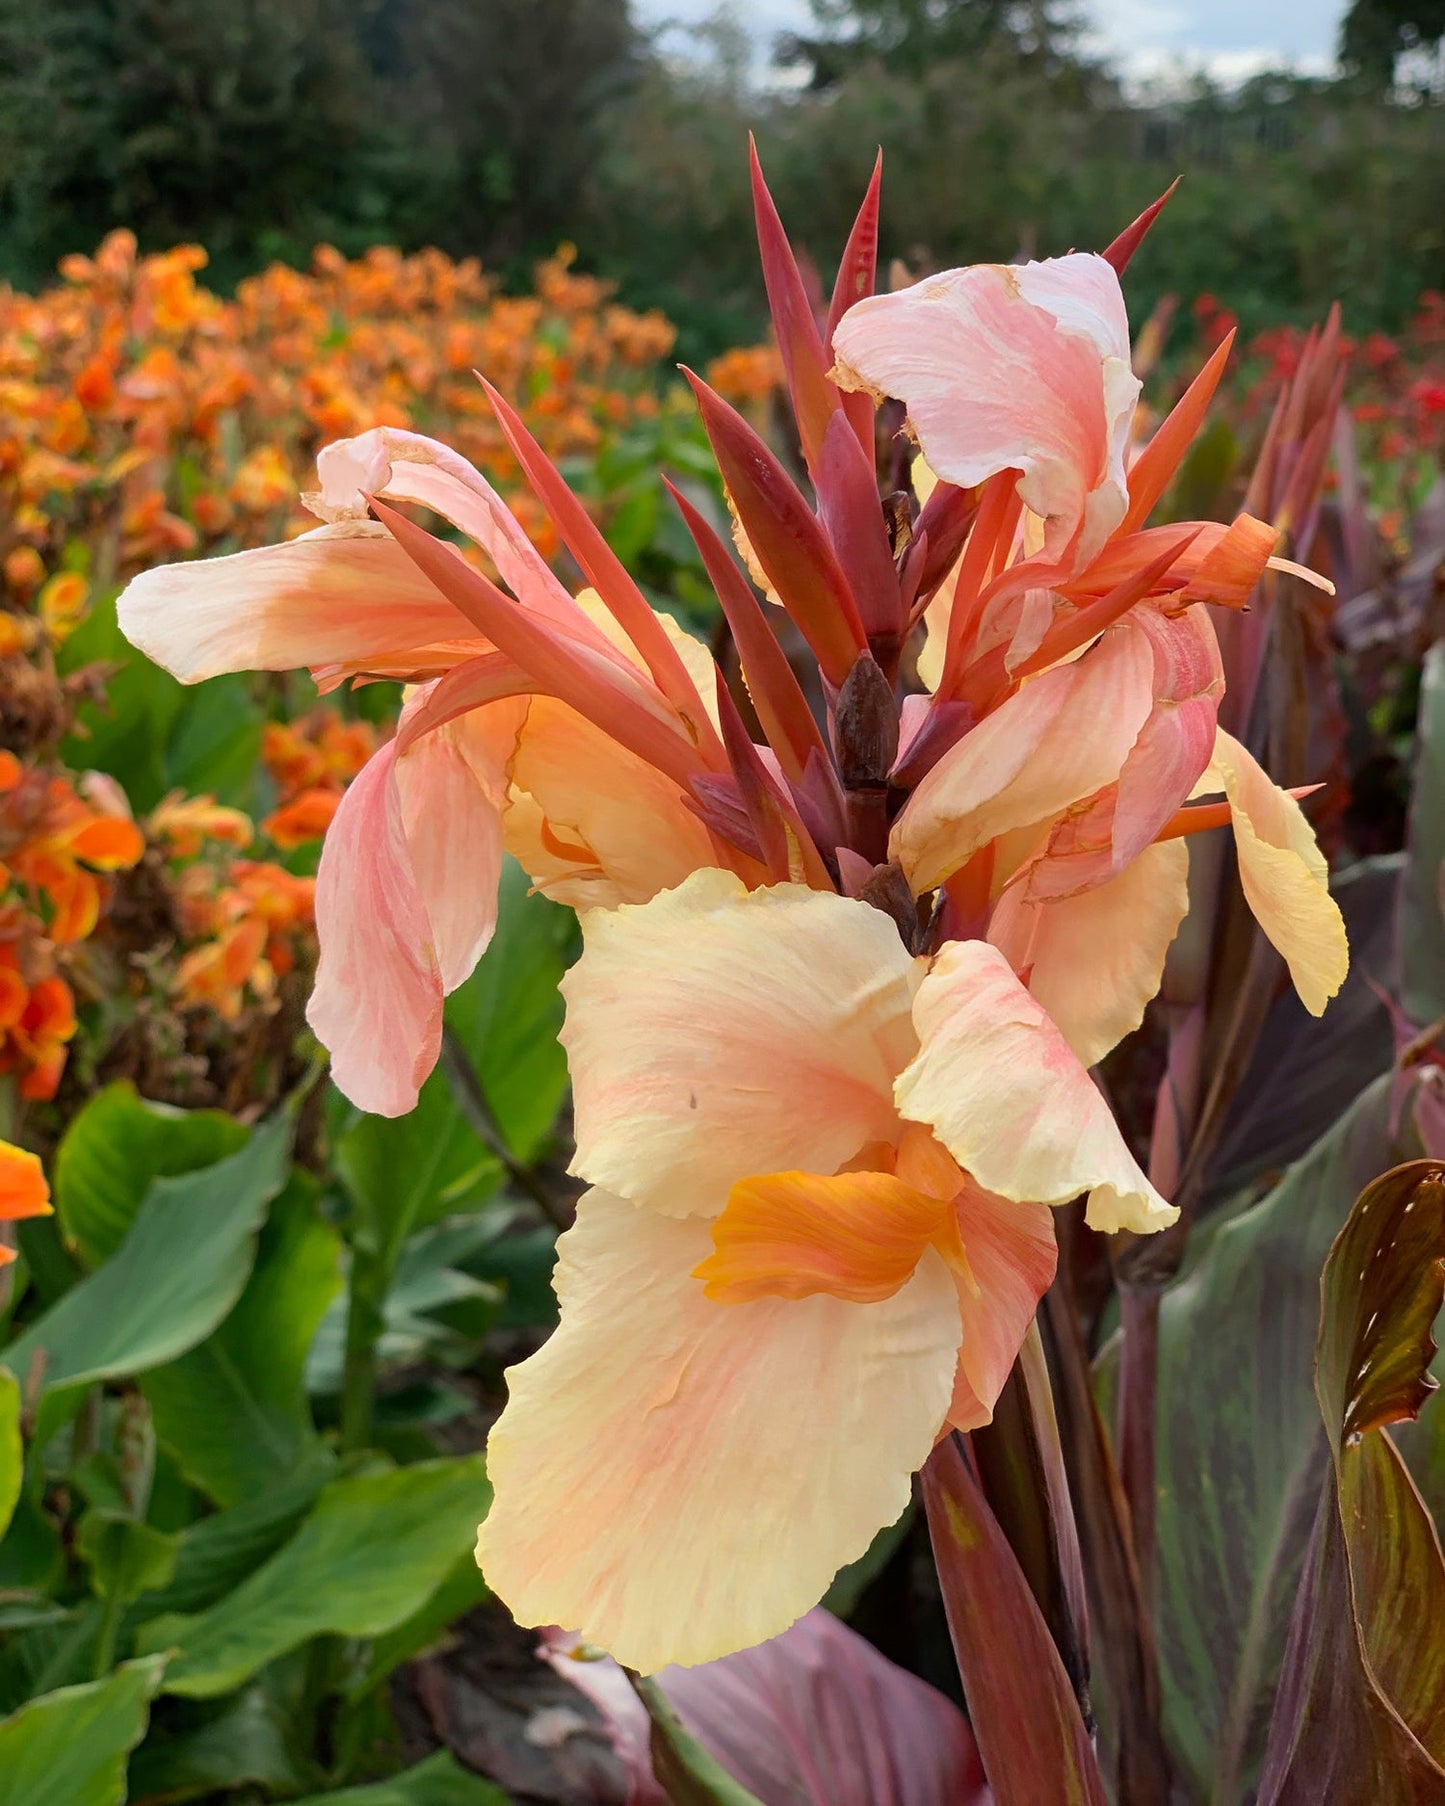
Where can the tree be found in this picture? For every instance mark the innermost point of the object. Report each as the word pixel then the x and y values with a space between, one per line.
pixel 1376 34
pixel 908 37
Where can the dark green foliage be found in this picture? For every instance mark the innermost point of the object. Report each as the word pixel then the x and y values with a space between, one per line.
pixel 1375 34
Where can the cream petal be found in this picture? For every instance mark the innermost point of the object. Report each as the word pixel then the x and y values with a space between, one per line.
pixel 1024 368
pixel 333 596
pixel 714 1033
pixel 1283 873
pixel 591 823
pixel 1095 959
pixel 1063 736
pixel 1009 1099
pixel 678 1479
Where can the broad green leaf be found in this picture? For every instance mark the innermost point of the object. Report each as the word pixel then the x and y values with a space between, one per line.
pixel 1240 1453
pixel 372 1553
pixel 1361 1707
pixel 508 1013
pixel 404 1172
pixel 125 1558
pixel 1422 923
pixel 234 1410
pixel 432 1306
pixel 70 1748
pixel 12 1452
pixel 439 1781
pixel 245 1739
pixel 181 1267
pixel 1021 1703
pixel 214 746
pixel 219 1552
pixel 114 1149
pixel 462 1589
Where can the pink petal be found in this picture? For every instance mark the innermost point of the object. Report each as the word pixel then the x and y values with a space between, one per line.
pixel 1023 368
pixel 1012 1256
pixel 334 596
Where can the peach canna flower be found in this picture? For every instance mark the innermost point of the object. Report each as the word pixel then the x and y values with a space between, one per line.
pixel 583 740
pixel 817 1234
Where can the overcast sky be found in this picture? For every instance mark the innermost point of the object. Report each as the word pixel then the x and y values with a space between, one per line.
pixel 1231 37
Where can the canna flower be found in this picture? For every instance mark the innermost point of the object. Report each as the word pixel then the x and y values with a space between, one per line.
pixel 54 842
pixel 584 742
pixel 23 1190
pixel 818 1230
pixel 1074 673
pixel 185 823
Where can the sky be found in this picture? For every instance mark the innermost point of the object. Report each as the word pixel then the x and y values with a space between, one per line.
pixel 1230 38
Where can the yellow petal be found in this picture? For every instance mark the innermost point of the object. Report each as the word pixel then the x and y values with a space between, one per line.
pixel 677 1479
pixel 1095 960
pixel 1009 1100
pixel 715 1033
pixel 1283 873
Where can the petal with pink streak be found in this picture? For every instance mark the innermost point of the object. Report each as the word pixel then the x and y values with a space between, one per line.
pixel 1283 873
pixel 1012 1255
pixel 1009 1100
pixel 334 596
pixel 660 1469
pixel 1094 959
pixel 404 466
pixel 715 1032
pixel 1019 367
pixel 1063 736
pixel 814 1717
pixel 377 1004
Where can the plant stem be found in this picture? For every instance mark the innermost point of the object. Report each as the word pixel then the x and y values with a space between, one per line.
pixel 364 1323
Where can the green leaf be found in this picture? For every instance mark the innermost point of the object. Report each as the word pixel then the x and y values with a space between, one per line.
pixel 1361 1708
pixel 219 1552
pixel 508 1013
pixel 1422 922
pixel 374 1550
pixel 125 1558
pixel 1021 1704
pixel 12 1451
pixel 247 1739
pixel 1240 1453
pixel 113 1151
pixel 439 1781
pixel 234 1410
pixel 181 1267
pixel 404 1172
pixel 70 1748
pixel 125 735
pixel 688 1774
pixel 462 1589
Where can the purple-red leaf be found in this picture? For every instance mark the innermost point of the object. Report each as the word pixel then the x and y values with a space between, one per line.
pixel 1030 1732
pixel 1360 1713
pixel 815 399
pixel 857 273
pixel 786 539
pixel 852 513
pixel 1130 239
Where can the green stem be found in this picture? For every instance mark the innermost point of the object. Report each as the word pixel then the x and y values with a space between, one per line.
pixel 112 1606
pixel 364 1323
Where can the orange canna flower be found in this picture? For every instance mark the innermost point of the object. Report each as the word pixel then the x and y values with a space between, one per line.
pixel 24 1191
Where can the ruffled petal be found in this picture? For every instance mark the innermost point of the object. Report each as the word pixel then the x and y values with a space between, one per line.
pixel 1283 873
pixel 338 595
pixel 714 1033
pixel 678 1479
pixel 1009 1099
pixel 1065 735
pixel 1023 367
pixel 1096 958
pixel 1011 1257
pixel 23 1188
